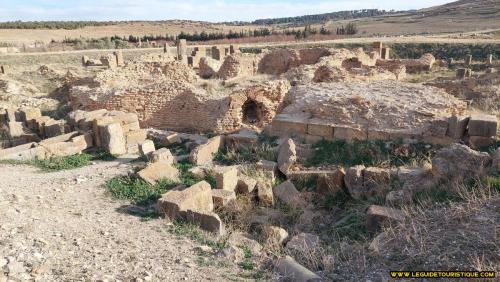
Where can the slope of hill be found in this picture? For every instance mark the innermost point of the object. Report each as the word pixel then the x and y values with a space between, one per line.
pixel 456 17
pixel 459 16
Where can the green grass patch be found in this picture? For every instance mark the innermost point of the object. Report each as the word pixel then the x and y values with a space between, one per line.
pixel 353 228
pixel 235 156
pixel 137 190
pixel 369 153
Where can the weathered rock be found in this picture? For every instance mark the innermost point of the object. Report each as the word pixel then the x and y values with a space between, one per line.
pixel 354 180
pixel 207 221
pixel 246 184
pixel 198 172
pixel 288 194
pixel 331 183
pixel 303 242
pixel 377 243
pixel 244 240
pixel 459 162
pixel 274 234
pixel 375 181
pixel 483 125
pixel 162 155
pixel 226 177
pixel 222 197
pixel 287 156
pixel 146 148
pixel 231 253
pixel 293 271
pixel 268 167
pixel 265 193
pixel 376 216
pixel 399 197
pixel 244 138
pixel 158 171
pixel 113 139
pixel 204 154
pixel 197 197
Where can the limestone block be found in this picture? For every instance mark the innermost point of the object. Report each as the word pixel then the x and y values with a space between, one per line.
pixel 226 178
pixel 483 125
pixel 222 197
pixel 204 154
pixel 146 148
pixel 354 181
pixel 293 271
pixel 286 124
pixel 375 181
pixel 459 162
pixel 274 234
pixel 135 137
pixel 197 197
pixel 288 194
pixel 317 128
pixel 155 172
pixel 476 142
pixel 349 133
pixel 207 221
pixel 268 167
pixel 457 127
pixel 113 139
pixel 246 184
pixel 162 155
pixel 287 156
pixel 377 216
pixel 265 193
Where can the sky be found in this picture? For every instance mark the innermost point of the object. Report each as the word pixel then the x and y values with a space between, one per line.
pixel 203 10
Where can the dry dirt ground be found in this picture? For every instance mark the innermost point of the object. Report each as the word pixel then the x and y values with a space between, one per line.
pixel 61 226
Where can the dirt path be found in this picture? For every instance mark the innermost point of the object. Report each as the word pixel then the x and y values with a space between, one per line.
pixel 62 227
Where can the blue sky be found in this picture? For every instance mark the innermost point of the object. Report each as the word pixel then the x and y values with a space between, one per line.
pixel 205 10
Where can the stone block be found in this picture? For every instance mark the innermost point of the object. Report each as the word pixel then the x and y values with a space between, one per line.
pixel 197 197
pixel 135 137
pixel 303 242
pixel 246 184
pixel 291 270
pixel 113 139
pixel 222 197
pixel 330 181
pixel 317 128
pixel 457 127
pixel 349 133
pixel 354 181
pixel 483 125
pixel 268 167
pixel 265 193
pixel 287 156
pixel 288 194
pixel 15 129
pixel 204 153
pixel 377 216
pixel 207 221
pixel 155 172
pixel 162 155
pixel 52 128
pixel 146 148
pixel 226 177
pixel 287 124
pixel 375 181
pixel 274 234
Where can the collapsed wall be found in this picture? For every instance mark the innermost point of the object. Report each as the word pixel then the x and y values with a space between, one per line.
pixel 168 95
pixel 371 110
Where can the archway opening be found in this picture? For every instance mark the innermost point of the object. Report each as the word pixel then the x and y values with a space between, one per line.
pixel 251 112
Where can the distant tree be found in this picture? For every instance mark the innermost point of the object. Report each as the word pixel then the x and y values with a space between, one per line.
pixel 351 29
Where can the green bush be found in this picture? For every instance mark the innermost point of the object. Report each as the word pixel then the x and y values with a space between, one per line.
pixel 137 190
pixel 368 153
pixel 64 163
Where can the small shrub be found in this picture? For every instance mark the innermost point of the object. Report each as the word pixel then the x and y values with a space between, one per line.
pixel 369 153
pixel 63 163
pixel 137 190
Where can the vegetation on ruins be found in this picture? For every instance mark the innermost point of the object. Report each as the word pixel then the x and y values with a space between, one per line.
pixel 65 163
pixel 370 153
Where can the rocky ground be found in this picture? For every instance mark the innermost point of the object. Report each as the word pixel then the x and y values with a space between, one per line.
pixel 61 226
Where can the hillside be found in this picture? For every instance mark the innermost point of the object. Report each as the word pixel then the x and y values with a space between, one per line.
pixel 455 17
